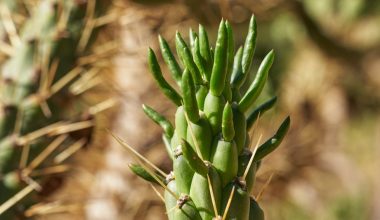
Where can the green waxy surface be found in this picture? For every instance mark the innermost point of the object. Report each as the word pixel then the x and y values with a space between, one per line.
pixel 213 109
pixel 203 137
pixel 239 208
pixel 189 97
pixel 170 60
pixel 200 193
pixel 225 160
pixel 255 211
pixel 183 174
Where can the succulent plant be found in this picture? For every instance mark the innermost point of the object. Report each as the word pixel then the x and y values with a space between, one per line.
pixel 40 124
pixel 213 167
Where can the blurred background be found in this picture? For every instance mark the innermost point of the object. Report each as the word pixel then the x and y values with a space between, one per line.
pixel 326 75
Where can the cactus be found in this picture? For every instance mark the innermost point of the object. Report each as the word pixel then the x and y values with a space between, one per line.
pixel 213 166
pixel 40 124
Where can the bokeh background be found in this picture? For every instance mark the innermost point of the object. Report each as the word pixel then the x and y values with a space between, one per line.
pixel 326 75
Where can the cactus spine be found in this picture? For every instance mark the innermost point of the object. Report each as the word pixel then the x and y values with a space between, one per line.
pixel 35 91
pixel 214 169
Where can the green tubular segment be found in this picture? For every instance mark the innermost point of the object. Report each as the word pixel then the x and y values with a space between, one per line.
pixel 180 124
pixel 168 147
pixel 170 60
pixel 239 208
pixel 160 120
pixel 205 47
pixel 182 172
pixel 141 172
pixel 219 68
pixel 213 108
pixel 7 147
pixel 244 158
pixel 240 126
pixel 259 111
pixel 228 123
pixel 258 84
pixel 199 61
pixel 249 46
pixel 170 200
pixel 192 36
pixel 157 74
pixel 187 211
pixel 201 96
pixel 255 211
pixel 189 97
pixel 187 59
pixel 272 143
pixel 200 193
pixel 237 75
pixel 203 137
pixel 225 160
pixel 193 159
pixel 230 49
pixel 174 142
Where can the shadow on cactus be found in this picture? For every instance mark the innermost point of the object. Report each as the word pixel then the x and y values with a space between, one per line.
pixel 213 166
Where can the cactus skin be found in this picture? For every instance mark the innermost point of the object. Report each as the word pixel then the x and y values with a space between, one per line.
pixel 212 124
pixel 44 39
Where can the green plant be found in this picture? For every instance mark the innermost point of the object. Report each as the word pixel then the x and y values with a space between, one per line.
pixel 213 167
pixel 42 121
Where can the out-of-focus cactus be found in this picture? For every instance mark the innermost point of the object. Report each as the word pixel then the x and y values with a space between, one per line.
pixel 41 124
pixel 213 166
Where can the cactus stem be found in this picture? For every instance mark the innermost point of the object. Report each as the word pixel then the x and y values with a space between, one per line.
pixel 212 196
pixel 158 193
pixel 229 202
pixel 251 159
pixel 257 198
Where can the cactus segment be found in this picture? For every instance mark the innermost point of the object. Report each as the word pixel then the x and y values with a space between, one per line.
pixel 224 160
pixel 204 47
pixel 228 123
pixel 237 75
pixel 189 97
pixel 187 59
pixel 192 36
pixel 159 119
pixel 141 172
pixel 240 126
pixel 258 112
pixel 213 109
pixel 200 193
pixel 249 46
pixel 186 210
pixel 272 143
pixel 255 212
pixel 170 60
pixel 182 171
pixel 258 84
pixel 193 159
pixel 199 135
pixel 219 68
pixel 201 96
pixel 199 61
pixel 157 74
pixel 180 123
pixel 244 158
pixel 239 208
pixel 170 200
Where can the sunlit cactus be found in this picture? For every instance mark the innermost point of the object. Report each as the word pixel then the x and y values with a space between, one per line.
pixel 213 166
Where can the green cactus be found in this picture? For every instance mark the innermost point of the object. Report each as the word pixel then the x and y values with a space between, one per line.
pixel 214 169
pixel 35 91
